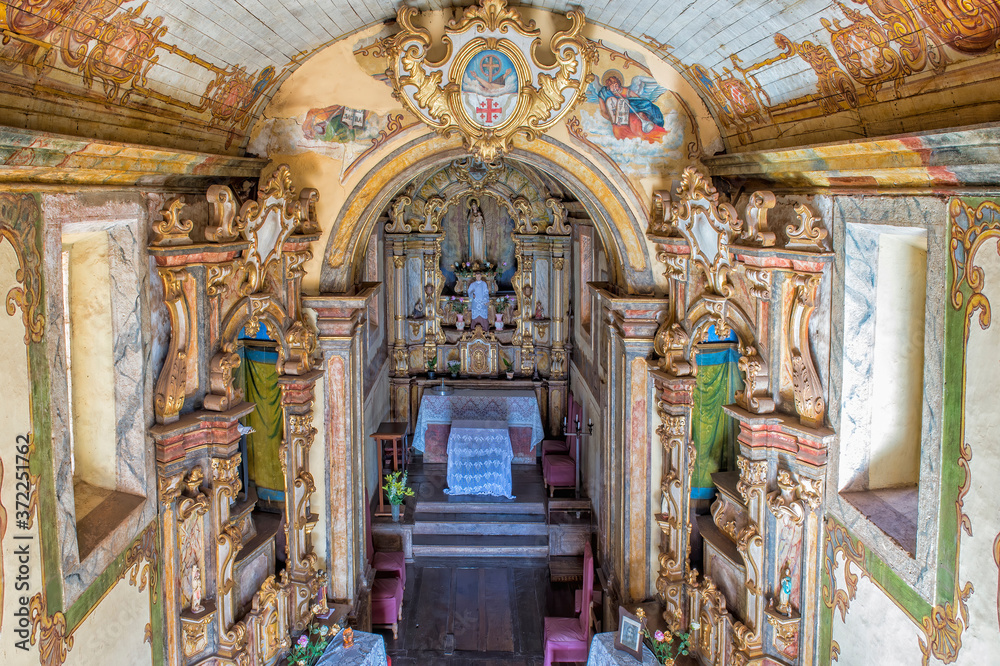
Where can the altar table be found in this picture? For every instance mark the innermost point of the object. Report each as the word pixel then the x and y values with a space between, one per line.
pixel 515 408
pixel 368 650
pixel 479 457
pixel 603 653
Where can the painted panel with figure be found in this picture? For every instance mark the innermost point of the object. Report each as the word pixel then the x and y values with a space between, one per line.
pixel 477 230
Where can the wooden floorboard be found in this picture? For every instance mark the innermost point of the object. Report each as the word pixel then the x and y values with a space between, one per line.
pixel 493 609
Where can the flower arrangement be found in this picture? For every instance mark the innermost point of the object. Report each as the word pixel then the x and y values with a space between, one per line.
pixel 454 367
pixel 468 269
pixel 458 305
pixel 396 489
pixel 502 303
pixel 662 644
pixel 311 644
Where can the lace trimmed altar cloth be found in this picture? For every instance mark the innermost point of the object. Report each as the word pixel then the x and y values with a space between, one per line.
pixel 479 457
pixel 368 650
pixel 603 653
pixel 515 408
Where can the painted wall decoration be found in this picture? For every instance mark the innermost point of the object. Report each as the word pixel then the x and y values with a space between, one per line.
pixel 847 63
pixel 628 116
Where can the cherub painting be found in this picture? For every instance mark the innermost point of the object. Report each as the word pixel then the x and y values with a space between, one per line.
pixel 632 111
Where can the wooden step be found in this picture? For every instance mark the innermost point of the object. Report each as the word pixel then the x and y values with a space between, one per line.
pixel 483 524
pixel 460 545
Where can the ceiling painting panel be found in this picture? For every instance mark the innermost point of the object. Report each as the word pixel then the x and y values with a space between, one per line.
pixel 197 74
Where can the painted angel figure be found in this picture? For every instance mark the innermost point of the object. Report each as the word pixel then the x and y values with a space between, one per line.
pixel 632 111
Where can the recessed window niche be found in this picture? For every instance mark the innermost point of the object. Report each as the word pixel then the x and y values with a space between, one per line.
pixel 885 288
pixel 103 498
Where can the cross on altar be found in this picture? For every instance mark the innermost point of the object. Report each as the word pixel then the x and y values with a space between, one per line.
pixel 488 111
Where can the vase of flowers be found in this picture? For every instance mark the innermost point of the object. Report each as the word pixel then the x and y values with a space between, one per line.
pixel 454 367
pixel 431 364
pixel 396 491
pixel 501 304
pixel 310 645
pixel 459 307
pixel 666 646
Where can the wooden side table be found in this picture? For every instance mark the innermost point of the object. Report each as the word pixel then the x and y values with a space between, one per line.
pixel 390 440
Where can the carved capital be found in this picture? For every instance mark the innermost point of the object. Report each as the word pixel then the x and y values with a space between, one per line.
pixel 433 211
pixel 671 344
pixel 760 282
pixel 219 274
pixel 793 500
pixel 755 231
pixel 224 393
pixel 522 217
pixel 755 396
pixel 753 476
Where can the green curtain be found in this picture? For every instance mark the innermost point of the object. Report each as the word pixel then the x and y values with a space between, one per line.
pixel 712 430
pixel 260 378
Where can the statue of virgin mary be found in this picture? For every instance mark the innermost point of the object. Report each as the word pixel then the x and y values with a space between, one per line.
pixel 477 232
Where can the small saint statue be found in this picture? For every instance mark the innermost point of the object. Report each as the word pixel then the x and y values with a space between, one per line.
pixel 539 313
pixel 418 310
pixel 196 606
pixel 479 303
pixel 784 605
pixel 348 637
pixel 477 233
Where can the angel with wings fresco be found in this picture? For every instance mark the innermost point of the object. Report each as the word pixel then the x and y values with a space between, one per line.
pixel 631 111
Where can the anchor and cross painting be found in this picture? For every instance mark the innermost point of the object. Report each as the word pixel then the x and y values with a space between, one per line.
pixel 490 88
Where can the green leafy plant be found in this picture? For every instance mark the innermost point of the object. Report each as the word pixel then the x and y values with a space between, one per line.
pixel 665 646
pixel 507 364
pixel 454 367
pixel 310 645
pixel 458 305
pixel 501 304
pixel 396 489
pixel 432 363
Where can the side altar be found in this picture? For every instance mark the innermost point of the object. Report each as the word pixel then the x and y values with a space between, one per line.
pixel 478 259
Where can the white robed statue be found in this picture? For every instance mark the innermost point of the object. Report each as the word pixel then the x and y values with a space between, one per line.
pixel 479 302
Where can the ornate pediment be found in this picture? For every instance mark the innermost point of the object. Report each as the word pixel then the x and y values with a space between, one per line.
pixel 489 85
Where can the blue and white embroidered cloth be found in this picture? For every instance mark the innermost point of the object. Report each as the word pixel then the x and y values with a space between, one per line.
pixel 368 650
pixel 479 457
pixel 515 408
pixel 603 653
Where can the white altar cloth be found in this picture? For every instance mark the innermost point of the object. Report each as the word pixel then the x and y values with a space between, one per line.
pixel 479 457
pixel 603 653
pixel 515 408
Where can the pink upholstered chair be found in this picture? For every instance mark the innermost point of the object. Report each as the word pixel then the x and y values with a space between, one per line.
pixel 568 638
pixel 559 471
pixel 588 564
pixel 387 602
pixel 386 562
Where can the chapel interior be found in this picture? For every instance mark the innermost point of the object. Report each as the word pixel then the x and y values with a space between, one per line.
pixel 474 333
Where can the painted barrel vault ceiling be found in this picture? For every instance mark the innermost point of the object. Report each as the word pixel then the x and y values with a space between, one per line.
pixel 196 74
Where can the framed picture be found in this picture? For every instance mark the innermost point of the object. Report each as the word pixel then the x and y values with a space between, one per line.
pixel 629 637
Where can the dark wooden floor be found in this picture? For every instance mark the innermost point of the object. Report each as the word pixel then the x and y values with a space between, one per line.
pixel 481 612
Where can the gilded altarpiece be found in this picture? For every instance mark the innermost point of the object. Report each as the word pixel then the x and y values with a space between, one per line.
pixel 732 278
pixel 500 222
pixel 229 270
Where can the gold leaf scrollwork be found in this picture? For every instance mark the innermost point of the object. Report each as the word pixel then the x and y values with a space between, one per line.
pixel 754 397
pixel 433 90
pixel 808 234
pixel 558 226
pixel 970 228
pixel 708 226
pixel 809 402
pixel 760 282
pixel 224 222
pixel 397 215
pixel 755 229
pixel 171 384
pixel 19 219
pixel 172 230
pixel 671 344
pixel 219 274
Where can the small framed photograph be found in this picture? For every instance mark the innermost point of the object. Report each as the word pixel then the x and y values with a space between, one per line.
pixel 629 637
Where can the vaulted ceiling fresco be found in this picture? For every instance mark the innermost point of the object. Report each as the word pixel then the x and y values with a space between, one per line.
pixel 196 73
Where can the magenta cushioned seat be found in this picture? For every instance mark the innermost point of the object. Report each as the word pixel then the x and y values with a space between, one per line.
pixel 387 602
pixel 565 640
pixel 559 471
pixel 392 563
